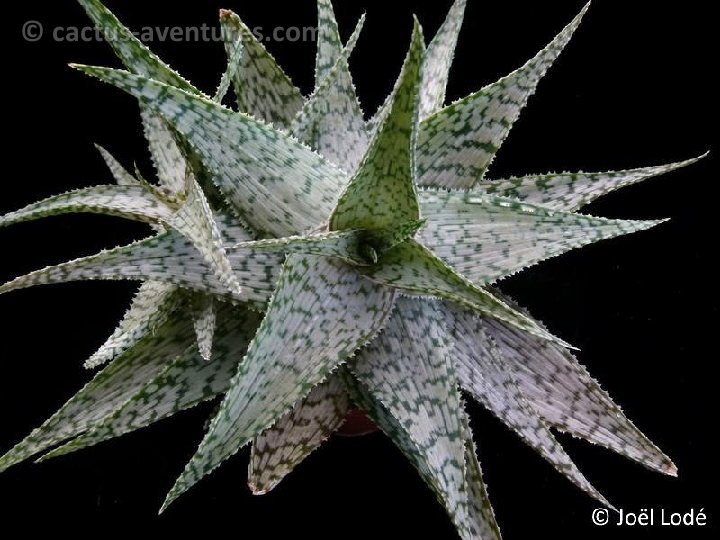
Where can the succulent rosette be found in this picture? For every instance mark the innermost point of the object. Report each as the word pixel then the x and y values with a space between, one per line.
pixel 305 262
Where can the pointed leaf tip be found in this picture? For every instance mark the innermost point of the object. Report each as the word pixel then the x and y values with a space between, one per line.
pixel 321 313
pixel 458 143
pixel 438 60
pixel 130 50
pixel 262 88
pixel 486 238
pixel 243 172
pixel 571 191
pixel 382 193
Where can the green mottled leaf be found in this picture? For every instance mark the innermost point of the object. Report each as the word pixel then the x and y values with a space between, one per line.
pixel 120 174
pixel 567 398
pixel 321 313
pixel 277 451
pixel 412 268
pixel 234 60
pixel 184 383
pixel 196 222
pixel 457 144
pixel 331 122
pixel 168 158
pixel 407 368
pixel 134 55
pixel 152 307
pixel 262 88
pixel 354 246
pixel 486 238
pixel 438 60
pixel 482 522
pixel 344 245
pixel 380 115
pixel 484 373
pixel 572 191
pixel 132 202
pixel 154 302
pixel 382 192
pixel 383 240
pixel 194 219
pixel 108 391
pixel 276 184
pixel 204 320
pixel 329 43
pixel 168 258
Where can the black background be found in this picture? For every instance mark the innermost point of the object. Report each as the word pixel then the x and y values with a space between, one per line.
pixel 632 89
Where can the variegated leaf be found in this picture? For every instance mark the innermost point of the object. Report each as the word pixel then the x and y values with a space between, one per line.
pixel 438 60
pixel 152 307
pixel 382 240
pixel 171 259
pixel 132 202
pixel 154 302
pixel 412 268
pixel 194 219
pixel 168 258
pixel 196 222
pixel 486 238
pixel 329 43
pixel 331 122
pixel 130 50
pixel 108 391
pixel 353 246
pixel 321 313
pixel 481 523
pixel 407 368
pixel 168 158
pixel 380 115
pixel 120 174
pixel 262 88
pixel 382 192
pixel 344 245
pixel 204 320
pixel 273 182
pixel 400 435
pixel 235 53
pixel 484 373
pixel 569 399
pixel 278 450
pixel 185 382
pixel 572 191
pixel 457 144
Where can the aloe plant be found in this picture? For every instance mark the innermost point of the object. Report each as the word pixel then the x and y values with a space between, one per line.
pixel 305 261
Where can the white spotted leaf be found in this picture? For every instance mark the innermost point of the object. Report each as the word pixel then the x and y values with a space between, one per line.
pixel 382 191
pixel 262 88
pixel 279 449
pixel 321 312
pixel 274 183
pixel 572 191
pixel 486 238
pixel 457 144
